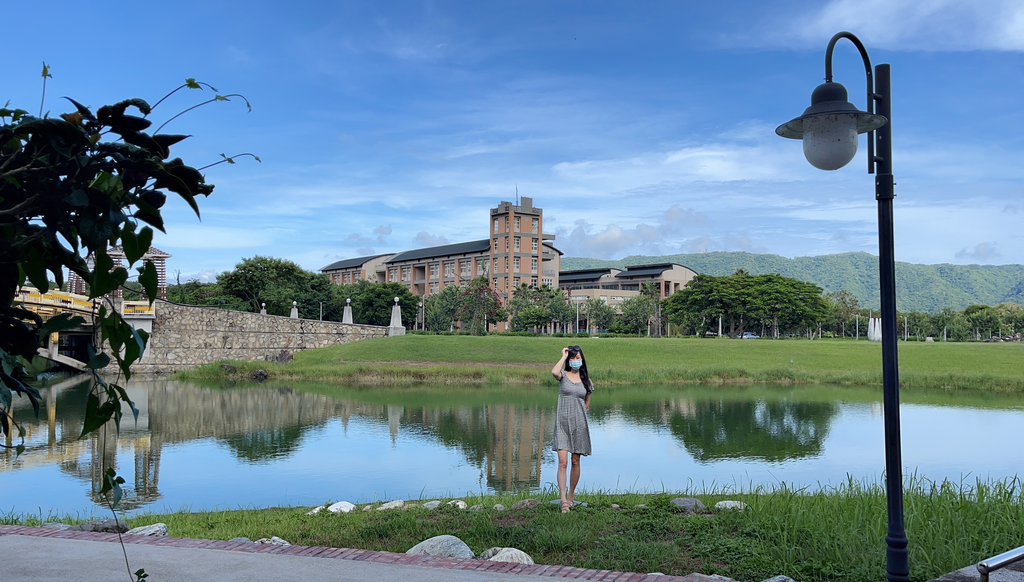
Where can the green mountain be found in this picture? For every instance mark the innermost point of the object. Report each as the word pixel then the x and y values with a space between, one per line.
pixel 918 287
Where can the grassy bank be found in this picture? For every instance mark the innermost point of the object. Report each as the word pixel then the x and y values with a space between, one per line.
pixel 470 360
pixel 834 534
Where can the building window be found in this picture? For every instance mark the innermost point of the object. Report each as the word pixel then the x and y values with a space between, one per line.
pixel 515 281
pixel 515 265
pixel 463 284
pixel 533 245
pixel 449 270
pixel 533 265
pixel 533 282
pixel 604 298
pixel 546 282
pixel 393 275
pixel 405 273
pixel 495 283
pixel 465 268
pixel 517 223
pixel 515 244
pixel 485 267
pixel 433 288
pixel 496 225
pixel 495 244
pixel 533 223
pixel 433 270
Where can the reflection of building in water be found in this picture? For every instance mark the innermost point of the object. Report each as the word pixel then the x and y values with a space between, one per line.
pixel 517 446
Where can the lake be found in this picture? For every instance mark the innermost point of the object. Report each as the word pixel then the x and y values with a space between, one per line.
pixel 210 446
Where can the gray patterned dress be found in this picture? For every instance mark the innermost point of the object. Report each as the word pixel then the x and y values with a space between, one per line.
pixel 571 431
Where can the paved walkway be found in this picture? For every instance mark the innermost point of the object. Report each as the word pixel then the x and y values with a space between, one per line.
pixel 40 554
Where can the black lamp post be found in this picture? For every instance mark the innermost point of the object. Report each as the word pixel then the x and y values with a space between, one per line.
pixel 829 129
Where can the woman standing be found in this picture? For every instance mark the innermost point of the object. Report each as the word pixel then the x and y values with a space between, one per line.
pixel 572 435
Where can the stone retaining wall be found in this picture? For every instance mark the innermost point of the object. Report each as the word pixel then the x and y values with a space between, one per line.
pixel 186 336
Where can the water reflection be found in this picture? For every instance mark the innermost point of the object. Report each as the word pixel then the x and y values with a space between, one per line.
pixel 760 430
pixel 503 434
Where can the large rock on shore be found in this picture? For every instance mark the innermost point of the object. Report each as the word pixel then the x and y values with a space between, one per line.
pixel 525 504
pixel 689 505
pixel 514 555
pixel 156 529
pixel 444 546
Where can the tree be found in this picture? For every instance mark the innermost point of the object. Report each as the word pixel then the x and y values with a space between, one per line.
pixel 377 300
pixel 67 194
pixel 637 311
pixel 441 309
pixel 599 314
pixel 843 306
pixel 478 305
pixel 259 280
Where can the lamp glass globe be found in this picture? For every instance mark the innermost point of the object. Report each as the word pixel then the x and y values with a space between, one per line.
pixel 830 141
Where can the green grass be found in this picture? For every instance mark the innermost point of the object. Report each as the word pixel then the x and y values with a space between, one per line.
pixel 414 359
pixel 834 534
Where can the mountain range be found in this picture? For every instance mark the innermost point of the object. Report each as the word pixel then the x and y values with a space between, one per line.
pixel 918 287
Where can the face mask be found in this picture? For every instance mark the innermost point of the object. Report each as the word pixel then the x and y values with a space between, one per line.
pixel 575 364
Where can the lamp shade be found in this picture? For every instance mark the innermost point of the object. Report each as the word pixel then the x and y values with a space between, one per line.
pixel 829 127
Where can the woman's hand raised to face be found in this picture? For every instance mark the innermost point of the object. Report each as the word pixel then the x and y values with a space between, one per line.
pixel 565 352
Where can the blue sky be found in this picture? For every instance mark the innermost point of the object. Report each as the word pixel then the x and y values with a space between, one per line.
pixel 639 127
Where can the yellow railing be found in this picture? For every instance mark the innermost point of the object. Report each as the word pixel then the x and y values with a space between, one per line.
pixel 138 308
pixel 58 299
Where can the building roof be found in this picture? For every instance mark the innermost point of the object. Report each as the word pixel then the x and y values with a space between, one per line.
pixel 476 246
pixel 351 263
pixel 551 246
pixel 646 270
pixel 583 275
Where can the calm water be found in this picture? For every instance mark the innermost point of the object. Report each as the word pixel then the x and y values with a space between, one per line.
pixel 213 446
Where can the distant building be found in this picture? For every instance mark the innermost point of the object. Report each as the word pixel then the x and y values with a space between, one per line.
pixel 516 252
pixel 613 286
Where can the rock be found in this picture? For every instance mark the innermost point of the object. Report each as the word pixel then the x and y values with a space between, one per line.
pixel 396 504
pixel 525 504
pixel 477 508
pixel 101 525
pixel 240 540
pixel 738 505
pixel 410 506
pixel 368 508
pixel 689 505
pixel 57 525
pixel 720 577
pixel 927 340
pixel 616 506
pixel 499 507
pixel 341 507
pixel 156 530
pixel 431 505
pixel 272 540
pixel 228 368
pixel 457 503
pixel 655 573
pixel 780 579
pixel 506 555
pixel 640 506
pixel 315 510
pixel 283 357
pixel 259 375
pixel 445 546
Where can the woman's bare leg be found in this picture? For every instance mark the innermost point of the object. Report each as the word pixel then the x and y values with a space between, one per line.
pixel 563 464
pixel 574 477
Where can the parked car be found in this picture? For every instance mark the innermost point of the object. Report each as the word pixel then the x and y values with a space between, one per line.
pixel 748 335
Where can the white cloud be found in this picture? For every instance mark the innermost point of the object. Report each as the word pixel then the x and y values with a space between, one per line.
pixel 928 25
pixel 425 239
pixel 983 252
pixel 203 276
pixel 1010 209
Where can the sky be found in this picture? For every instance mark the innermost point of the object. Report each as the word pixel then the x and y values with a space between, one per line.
pixel 640 128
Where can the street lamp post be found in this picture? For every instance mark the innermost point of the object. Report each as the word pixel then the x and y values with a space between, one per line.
pixel 829 129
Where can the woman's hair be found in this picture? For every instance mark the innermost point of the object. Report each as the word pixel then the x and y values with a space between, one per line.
pixel 584 375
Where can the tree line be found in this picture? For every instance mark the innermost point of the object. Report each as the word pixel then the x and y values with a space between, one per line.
pixel 766 305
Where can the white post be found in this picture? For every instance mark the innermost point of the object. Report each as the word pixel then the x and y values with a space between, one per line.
pixel 321 311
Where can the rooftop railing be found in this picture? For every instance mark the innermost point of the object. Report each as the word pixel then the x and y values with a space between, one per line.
pixel 985 567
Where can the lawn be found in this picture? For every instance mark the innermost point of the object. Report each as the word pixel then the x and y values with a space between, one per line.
pixel 526 360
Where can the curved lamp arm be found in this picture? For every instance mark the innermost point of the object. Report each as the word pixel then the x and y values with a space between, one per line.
pixel 870 107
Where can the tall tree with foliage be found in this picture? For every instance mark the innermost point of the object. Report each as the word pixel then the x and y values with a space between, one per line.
pixel 378 299
pixel 479 305
pixel 637 312
pixel 442 309
pixel 599 314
